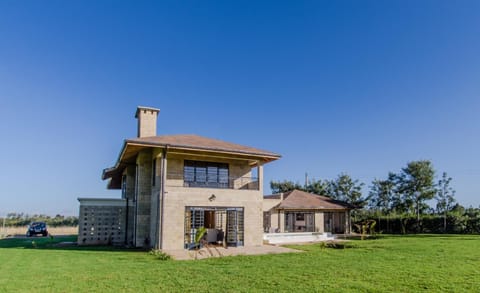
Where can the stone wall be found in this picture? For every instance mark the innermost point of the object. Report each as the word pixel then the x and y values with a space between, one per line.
pixel 144 194
pixel 177 198
pixel 146 198
pixel 104 222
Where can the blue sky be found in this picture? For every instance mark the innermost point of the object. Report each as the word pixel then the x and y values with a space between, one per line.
pixel 361 87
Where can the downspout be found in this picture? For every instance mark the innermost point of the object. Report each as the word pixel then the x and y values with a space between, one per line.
pixel 135 198
pixel 157 220
pixel 126 222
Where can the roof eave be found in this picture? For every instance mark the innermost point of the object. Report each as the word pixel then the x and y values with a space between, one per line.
pixel 108 172
pixel 267 157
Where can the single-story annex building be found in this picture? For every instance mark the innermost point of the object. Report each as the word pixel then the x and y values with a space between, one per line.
pixel 299 211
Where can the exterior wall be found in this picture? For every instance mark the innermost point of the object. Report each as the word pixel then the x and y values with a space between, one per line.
pixel 319 221
pixel 104 222
pixel 146 199
pixel 268 204
pixel 274 219
pixel 177 198
pixel 143 196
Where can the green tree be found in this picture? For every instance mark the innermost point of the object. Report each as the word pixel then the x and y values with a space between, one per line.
pixel 416 185
pixel 445 198
pixel 320 187
pixel 346 189
pixel 284 186
pixel 382 194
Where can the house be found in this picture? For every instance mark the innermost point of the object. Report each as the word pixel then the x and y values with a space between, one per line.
pixel 299 211
pixel 171 185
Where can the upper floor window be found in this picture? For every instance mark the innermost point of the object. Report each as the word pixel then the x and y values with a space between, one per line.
pixel 205 174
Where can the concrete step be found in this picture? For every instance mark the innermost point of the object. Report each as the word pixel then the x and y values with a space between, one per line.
pixel 284 238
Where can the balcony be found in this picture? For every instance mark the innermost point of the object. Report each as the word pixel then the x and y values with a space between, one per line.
pixel 239 183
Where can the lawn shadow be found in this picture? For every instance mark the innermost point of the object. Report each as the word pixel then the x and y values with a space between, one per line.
pixel 64 242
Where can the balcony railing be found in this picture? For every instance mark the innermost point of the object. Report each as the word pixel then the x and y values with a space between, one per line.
pixel 243 182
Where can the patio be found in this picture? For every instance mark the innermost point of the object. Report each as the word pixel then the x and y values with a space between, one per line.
pixel 215 251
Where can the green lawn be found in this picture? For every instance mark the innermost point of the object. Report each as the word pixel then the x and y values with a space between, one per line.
pixel 389 264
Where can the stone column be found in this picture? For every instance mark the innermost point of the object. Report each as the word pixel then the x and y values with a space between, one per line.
pixel 143 196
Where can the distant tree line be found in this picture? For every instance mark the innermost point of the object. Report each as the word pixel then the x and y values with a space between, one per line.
pixel 21 219
pixel 399 203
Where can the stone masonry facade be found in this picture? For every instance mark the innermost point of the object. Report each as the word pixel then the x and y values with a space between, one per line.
pixel 150 173
pixel 177 197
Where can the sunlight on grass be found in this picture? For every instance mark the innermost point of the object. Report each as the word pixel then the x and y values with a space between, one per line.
pixel 389 264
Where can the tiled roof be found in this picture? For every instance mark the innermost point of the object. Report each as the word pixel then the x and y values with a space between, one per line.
pixel 298 199
pixel 191 141
pixel 183 142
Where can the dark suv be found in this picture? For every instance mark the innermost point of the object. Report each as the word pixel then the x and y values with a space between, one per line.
pixel 37 228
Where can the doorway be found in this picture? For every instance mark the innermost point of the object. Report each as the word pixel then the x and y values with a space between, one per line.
pixel 225 225
pixel 334 222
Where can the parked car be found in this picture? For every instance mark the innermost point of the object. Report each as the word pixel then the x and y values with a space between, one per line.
pixel 37 228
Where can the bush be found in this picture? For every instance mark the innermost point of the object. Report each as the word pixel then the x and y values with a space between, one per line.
pixel 406 224
pixel 159 254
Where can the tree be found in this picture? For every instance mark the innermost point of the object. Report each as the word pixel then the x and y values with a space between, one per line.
pixel 382 194
pixel 346 189
pixel 320 187
pixel 445 198
pixel 416 186
pixel 284 186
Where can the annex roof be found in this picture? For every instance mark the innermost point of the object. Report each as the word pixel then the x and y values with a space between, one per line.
pixel 297 199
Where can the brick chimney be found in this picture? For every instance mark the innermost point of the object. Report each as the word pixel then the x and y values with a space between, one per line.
pixel 147 121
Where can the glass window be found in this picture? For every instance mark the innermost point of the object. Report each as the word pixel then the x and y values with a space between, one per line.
pixel 205 174
pixel 299 222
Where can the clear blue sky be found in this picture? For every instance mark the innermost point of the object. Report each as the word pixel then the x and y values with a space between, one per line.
pixel 360 87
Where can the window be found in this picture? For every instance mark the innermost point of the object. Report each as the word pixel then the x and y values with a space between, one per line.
pixel 299 222
pixel 205 174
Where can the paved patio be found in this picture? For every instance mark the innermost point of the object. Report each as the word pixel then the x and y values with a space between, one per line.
pixel 230 251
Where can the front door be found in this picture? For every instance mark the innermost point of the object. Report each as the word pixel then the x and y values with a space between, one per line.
pixel 328 222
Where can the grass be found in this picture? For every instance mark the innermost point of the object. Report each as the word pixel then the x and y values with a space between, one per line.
pixel 390 264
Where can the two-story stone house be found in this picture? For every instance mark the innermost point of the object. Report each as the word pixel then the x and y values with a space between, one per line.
pixel 172 185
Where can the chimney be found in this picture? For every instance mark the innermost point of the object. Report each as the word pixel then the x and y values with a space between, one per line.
pixel 147 121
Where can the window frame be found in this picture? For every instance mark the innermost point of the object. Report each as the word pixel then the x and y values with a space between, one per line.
pixel 206 174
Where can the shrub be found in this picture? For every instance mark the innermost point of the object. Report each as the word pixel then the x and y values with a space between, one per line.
pixel 160 254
